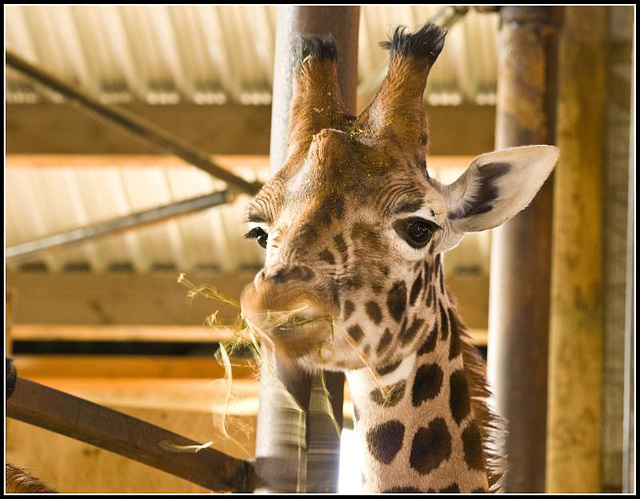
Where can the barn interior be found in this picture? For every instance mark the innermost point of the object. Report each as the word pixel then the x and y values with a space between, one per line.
pixel 95 303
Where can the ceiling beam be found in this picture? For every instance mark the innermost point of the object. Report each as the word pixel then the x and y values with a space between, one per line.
pixel 47 128
pixel 234 163
pixel 72 305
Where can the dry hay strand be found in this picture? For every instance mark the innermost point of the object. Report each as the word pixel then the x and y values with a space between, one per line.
pixel 248 334
pixel 243 336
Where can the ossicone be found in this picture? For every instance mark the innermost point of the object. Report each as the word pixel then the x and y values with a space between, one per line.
pixel 426 43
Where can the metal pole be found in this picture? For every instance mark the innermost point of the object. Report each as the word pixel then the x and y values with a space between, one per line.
pixel 521 248
pixel 141 129
pixel 128 222
pixel 274 474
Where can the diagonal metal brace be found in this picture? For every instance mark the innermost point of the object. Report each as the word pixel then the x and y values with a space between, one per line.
pixel 141 129
pixel 128 222
pixel 114 431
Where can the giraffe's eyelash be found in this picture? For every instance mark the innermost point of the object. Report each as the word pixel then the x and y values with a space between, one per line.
pixel 427 215
pixel 255 233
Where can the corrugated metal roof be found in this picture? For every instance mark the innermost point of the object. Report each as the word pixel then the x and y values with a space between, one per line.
pixel 46 199
pixel 202 53
pixel 43 200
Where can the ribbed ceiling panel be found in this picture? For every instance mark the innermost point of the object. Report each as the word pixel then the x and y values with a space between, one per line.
pixel 219 54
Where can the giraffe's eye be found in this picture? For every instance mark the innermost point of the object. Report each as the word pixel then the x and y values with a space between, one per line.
pixel 259 234
pixel 415 231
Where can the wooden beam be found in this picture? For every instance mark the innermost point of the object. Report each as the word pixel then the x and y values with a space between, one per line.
pixel 575 346
pixel 120 333
pixel 62 129
pixel 126 366
pixel 154 307
pixel 117 432
pixel 47 128
pixel 154 334
pixel 255 162
pixel 234 163
pixel 115 298
pixel 71 465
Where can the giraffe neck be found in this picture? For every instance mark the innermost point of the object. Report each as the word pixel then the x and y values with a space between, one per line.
pixel 423 436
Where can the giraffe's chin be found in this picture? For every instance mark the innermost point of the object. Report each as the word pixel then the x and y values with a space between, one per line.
pixel 296 340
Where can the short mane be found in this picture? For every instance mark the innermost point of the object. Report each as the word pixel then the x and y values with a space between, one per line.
pixel 426 43
pixel 493 428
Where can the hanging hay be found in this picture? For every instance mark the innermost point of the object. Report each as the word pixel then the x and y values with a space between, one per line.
pixel 243 336
pixel 247 335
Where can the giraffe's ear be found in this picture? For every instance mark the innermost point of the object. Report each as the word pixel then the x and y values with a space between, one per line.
pixel 497 186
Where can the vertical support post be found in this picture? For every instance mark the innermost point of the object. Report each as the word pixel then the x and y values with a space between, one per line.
pixel 274 473
pixel 574 454
pixel 629 422
pixel 342 23
pixel 618 205
pixel 521 248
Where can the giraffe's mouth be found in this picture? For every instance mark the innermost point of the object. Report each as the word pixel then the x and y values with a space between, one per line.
pixel 298 324
pixel 296 336
pixel 292 317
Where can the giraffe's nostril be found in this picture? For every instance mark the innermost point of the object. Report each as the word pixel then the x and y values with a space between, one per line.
pixel 298 273
pixel 279 277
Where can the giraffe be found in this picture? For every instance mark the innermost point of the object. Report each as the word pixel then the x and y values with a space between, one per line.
pixel 354 229
pixel 19 480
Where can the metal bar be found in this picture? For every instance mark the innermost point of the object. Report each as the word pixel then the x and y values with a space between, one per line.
pixel 290 474
pixel 446 17
pixel 521 248
pixel 143 130
pixel 128 436
pixel 128 222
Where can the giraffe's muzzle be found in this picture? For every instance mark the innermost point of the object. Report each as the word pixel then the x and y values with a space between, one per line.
pixel 296 314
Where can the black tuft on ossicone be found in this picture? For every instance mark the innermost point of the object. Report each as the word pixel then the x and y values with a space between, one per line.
pixel 426 43
pixel 321 47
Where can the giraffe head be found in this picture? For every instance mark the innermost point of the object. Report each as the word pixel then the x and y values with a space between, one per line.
pixel 353 225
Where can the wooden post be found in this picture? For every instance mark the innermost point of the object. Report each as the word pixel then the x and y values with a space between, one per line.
pixel 521 248
pixel 575 347
pixel 281 457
